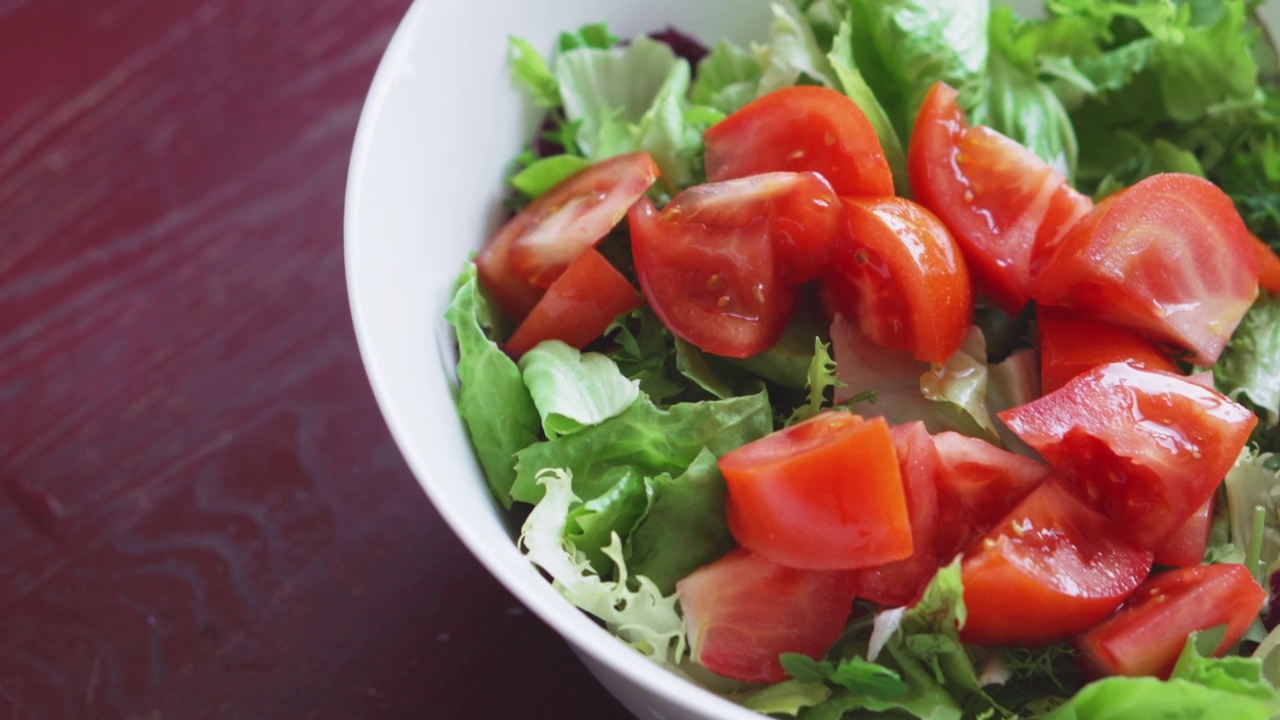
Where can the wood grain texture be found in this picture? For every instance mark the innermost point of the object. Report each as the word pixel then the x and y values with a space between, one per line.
pixel 201 511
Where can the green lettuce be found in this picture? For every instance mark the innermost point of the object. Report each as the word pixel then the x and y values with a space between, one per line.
pixel 1249 368
pixel 493 401
pixel 572 389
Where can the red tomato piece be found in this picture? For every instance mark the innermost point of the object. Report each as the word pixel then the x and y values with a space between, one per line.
pixel 1146 636
pixel 1070 345
pixel 1268 265
pixel 1168 256
pixel 1051 568
pixel 1188 544
pixel 823 494
pixel 899 274
pixel 802 209
pixel 578 306
pixel 712 278
pixel 742 611
pixel 535 246
pixel 980 482
pixel 797 129
pixel 997 197
pixel 1148 447
pixel 901 582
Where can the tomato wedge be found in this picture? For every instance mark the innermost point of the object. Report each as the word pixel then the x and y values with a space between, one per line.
pixel 1188 544
pixel 899 274
pixel 1168 256
pixel 536 245
pixel 901 582
pixel 1268 265
pixel 797 129
pixel 1051 568
pixel 1146 636
pixel 823 494
pixel 578 306
pixel 981 483
pixel 741 612
pixel 1070 345
pixel 1149 447
pixel 721 264
pixel 997 197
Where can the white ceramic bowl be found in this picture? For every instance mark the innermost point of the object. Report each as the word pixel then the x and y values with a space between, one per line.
pixel 441 123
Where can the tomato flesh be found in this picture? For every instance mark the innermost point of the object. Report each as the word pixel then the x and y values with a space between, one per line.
pixel 1268 265
pixel 901 582
pixel 997 197
pixel 719 264
pixel 1147 635
pixel 1149 447
pixel 1168 256
pixel 1051 568
pixel 578 306
pixel 1188 544
pixel 798 129
pixel 899 274
pixel 823 494
pixel 1070 345
pixel 741 612
pixel 981 483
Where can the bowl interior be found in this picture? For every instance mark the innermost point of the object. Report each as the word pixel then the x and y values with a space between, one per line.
pixel 441 124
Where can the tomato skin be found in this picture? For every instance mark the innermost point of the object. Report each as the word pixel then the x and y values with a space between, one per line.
pixel 531 249
pixel 900 275
pixel 901 582
pixel 1268 265
pixel 578 306
pixel 823 494
pixel 577 213
pixel 1146 636
pixel 981 483
pixel 998 198
pixel 1188 544
pixel 1168 256
pixel 1070 345
pixel 716 286
pixel 804 216
pixel 797 129
pixel 1051 568
pixel 742 611
pixel 1148 446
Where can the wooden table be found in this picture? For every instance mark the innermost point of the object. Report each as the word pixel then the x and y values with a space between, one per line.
pixel 201 511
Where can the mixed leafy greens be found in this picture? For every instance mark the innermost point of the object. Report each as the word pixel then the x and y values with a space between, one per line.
pixel 615 448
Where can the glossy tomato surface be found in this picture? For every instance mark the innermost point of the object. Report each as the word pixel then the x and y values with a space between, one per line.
pixel 997 197
pixel 742 611
pixel 1146 636
pixel 535 246
pixel 1051 568
pixel 825 493
pixel 1189 542
pixel 1070 345
pixel 578 306
pixel 721 264
pixel 1168 256
pixel 899 274
pixel 801 128
pixel 981 483
pixel 1268 265
pixel 1149 447
pixel 901 582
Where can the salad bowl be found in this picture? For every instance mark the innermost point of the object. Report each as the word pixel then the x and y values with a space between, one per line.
pixel 437 135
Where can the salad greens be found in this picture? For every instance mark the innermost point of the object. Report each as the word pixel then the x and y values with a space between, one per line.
pixel 615 448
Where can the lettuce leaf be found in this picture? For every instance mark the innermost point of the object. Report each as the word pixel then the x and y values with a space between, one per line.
pixel 494 403
pixel 1249 368
pixel 572 389
pixel 727 78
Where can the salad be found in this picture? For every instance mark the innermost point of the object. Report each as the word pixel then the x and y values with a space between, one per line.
pixel 918 360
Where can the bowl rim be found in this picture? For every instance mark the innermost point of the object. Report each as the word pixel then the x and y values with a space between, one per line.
pixel 587 638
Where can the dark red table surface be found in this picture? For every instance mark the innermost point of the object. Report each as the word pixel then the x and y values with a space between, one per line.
pixel 201 511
